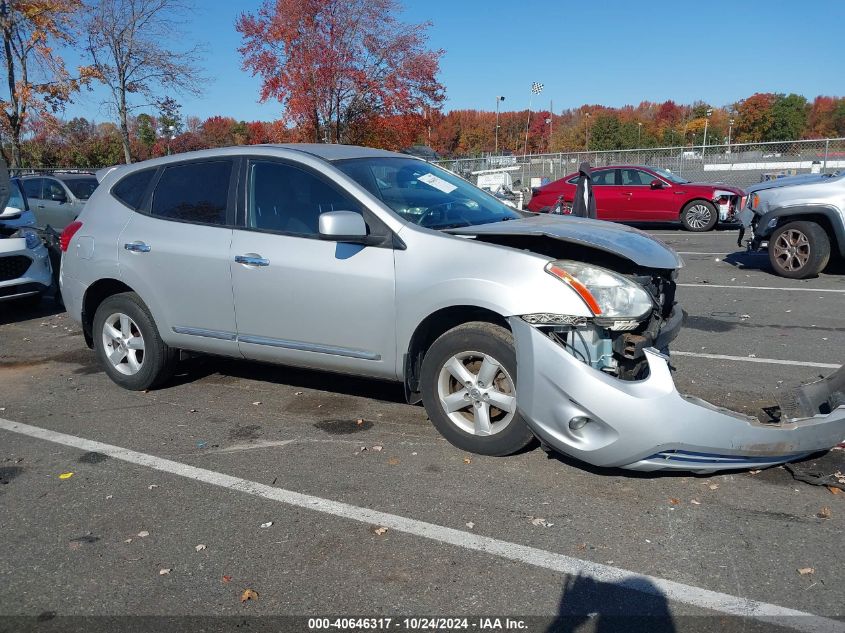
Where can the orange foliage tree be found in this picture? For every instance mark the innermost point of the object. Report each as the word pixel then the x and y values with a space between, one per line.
pixel 344 70
pixel 37 79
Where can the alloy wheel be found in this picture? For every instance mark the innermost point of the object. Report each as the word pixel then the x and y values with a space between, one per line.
pixel 792 250
pixel 123 343
pixel 477 393
pixel 698 216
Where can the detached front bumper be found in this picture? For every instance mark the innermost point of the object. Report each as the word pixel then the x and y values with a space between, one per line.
pixel 647 425
pixel 23 271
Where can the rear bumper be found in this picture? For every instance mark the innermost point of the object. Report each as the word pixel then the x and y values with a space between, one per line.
pixel 647 425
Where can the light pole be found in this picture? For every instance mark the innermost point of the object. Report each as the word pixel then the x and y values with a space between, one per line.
pixel 549 123
pixel 587 132
pixel 639 135
pixel 730 129
pixel 168 133
pixel 496 151
pixel 706 121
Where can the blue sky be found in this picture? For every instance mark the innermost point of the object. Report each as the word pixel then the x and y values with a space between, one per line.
pixel 716 51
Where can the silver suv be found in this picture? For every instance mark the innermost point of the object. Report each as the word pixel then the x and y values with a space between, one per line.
pixel 57 198
pixel 378 264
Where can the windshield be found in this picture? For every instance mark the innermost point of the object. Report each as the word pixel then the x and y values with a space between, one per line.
pixel 425 194
pixel 82 188
pixel 668 175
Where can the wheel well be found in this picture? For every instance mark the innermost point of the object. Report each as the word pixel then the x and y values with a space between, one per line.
pixel 96 293
pixel 820 219
pixel 430 329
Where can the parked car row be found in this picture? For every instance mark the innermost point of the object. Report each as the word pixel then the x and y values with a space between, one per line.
pixel 635 193
pixel 373 263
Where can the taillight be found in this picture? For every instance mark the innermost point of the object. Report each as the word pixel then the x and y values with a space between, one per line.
pixel 68 233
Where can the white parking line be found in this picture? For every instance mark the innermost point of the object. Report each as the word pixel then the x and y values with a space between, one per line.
pixel 752 359
pixel 697 253
pixel 671 590
pixel 763 288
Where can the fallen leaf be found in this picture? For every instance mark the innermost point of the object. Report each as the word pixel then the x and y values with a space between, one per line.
pixel 109 497
pixel 379 531
pixel 226 579
pixel 713 486
pixel 393 461
pixel 200 547
pixel 143 533
pixel 695 502
pixel 377 448
pixel 129 540
pixel 467 460
pixel 824 513
pixel 806 571
pixel 297 393
pixel 257 402
pixel 674 501
pixel 754 472
pixel 359 421
pixel 266 525
pixel 541 521
pixel 192 410
pixel 151 486
pixel 164 572
pixel 249 594
pixel 65 475
pixel 470 524
pixel 834 490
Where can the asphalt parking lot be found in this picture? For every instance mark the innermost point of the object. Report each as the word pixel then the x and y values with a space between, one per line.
pixel 328 496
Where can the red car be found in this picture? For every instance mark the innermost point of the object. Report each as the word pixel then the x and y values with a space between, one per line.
pixel 632 193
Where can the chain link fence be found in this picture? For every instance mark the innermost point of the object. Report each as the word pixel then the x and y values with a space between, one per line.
pixel 736 164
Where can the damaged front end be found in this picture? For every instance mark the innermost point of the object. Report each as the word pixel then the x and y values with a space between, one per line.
pixel 627 413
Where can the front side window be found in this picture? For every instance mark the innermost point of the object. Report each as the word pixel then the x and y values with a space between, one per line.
pixel 424 194
pixel 285 199
pixel 193 192
pixel 636 177
pixel 32 188
pixel 81 188
pixel 53 190
pixel 16 197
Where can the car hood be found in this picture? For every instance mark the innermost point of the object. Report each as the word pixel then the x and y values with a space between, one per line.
pixel 803 179
pixel 618 239
pixel 711 186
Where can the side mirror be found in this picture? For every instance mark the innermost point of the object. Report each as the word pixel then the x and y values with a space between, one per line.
pixel 343 226
pixel 58 197
pixel 656 184
pixel 12 213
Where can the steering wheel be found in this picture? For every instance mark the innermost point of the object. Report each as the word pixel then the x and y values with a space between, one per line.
pixel 450 207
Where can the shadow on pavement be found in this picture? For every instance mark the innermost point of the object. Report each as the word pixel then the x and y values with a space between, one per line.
pixel 676 226
pixel 630 605
pixel 15 311
pixel 204 366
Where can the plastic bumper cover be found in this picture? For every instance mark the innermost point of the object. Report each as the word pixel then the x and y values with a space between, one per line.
pixel 647 425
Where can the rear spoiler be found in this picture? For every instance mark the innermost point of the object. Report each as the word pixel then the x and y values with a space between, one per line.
pixel 105 171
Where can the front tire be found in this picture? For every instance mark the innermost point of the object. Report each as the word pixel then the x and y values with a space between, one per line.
pixel 468 385
pixel 799 250
pixel 128 345
pixel 699 216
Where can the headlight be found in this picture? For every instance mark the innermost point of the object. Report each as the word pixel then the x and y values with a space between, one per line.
pixel 33 241
pixel 606 293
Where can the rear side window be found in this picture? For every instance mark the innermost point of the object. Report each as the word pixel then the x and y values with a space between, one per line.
pixel 32 188
pixel 130 190
pixel 193 192
pixel 605 177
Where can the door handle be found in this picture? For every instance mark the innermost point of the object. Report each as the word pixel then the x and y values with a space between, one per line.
pixel 137 247
pixel 252 260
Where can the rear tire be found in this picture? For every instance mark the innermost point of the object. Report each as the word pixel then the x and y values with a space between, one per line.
pixel 799 250
pixel 128 345
pixel 465 373
pixel 699 216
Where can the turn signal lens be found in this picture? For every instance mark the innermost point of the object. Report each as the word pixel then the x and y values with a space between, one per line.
pixel 577 286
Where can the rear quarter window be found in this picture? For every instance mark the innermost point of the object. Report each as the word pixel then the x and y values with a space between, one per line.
pixel 193 192
pixel 131 189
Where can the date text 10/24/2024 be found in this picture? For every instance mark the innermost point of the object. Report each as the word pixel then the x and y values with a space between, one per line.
pixel 417 624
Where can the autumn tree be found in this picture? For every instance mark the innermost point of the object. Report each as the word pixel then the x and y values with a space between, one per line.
pixel 754 117
pixel 335 63
pixel 789 118
pixel 37 80
pixel 128 43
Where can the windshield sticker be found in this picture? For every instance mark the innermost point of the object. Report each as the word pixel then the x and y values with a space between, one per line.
pixel 438 183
